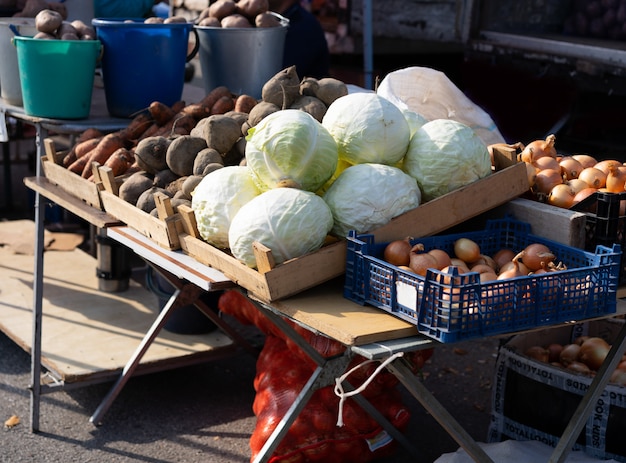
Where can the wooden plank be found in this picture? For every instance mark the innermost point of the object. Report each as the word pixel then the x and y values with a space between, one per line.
pixel 555 223
pixel 70 202
pixel 324 309
pixel 73 184
pixel 89 334
pixel 457 206
pixel 163 232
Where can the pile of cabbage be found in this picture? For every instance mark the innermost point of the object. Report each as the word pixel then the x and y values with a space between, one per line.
pixel 365 163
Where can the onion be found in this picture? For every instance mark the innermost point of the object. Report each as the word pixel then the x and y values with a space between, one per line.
pixel 514 264
pixel 467 250
pixel 536 256
pixel 618 377
pixel 569 354
pixel 555 350
pixel 456 262
pixel 481 268
pixel 421 261
pixel 441 256
pixel 593 177
pixel 398 252
pixel 593 352
pixel 502 256
pixel 606 165
pixel 616 178
pixel 538 353
pixel 570 167
pixel 546 180
pixel 579 367
pixel 561 195
pixel 547 162
pixel 512 272
pixel 539 148
pixel 486 277
pixel 583 194
pixel 577 184
pixel 586 160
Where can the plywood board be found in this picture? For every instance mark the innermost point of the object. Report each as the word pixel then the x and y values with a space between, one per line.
pixel 87 333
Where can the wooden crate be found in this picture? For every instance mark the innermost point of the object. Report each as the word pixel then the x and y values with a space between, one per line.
pixel 68 181
pixel 272 282
pixel 163 230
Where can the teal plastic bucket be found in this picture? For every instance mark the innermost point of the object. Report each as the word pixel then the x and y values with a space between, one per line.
pixel 57 76
pixel 242 59
pixel 142 63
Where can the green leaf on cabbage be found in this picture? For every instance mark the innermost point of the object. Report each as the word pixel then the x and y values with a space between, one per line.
pixel 291 148
pixel 289 221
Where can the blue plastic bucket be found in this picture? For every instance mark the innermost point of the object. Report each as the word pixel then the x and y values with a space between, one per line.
pixel 242 59
pixel 142 63
pixel 56 76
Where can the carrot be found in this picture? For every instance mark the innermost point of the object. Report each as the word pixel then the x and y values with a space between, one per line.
pixel 138 125
pixel 88 134
pixel 181 124
pixel 215 95
pixel 197 111
pixel 161 113
pixel 120 161
pixel 107 146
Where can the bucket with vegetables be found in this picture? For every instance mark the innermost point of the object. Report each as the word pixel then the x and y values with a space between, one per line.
pixel 241 55
pixel 142 62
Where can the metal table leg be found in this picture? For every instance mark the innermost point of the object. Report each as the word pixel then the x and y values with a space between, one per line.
pixel 35 372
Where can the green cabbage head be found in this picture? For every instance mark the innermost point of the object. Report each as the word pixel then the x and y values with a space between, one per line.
pixel 289 221
pixel 368 129
pixel 367 196
pixel 445 155
pixel 291 148
pixel 217 198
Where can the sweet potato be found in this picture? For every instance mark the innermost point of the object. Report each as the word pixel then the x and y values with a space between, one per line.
pixel 120 161
pixel 223 105
pixel 106 147
pixel 244 103
pixel 211 98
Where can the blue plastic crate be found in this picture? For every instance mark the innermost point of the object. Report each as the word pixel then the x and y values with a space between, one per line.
pixel 461 308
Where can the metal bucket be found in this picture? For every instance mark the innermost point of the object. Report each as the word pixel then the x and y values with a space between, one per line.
pixel 242 59
pixel 10 86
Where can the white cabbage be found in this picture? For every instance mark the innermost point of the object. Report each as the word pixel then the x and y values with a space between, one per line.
pixel 217 198
pixel 445 155
pixel 291 148
pixel 368 129
pixel 367 196
pixel 289 221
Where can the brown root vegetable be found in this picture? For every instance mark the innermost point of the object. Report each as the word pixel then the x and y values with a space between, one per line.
pixel 138 125
pixel 233 156
pixel 83 29
pixel 309 86
pixel 204 158
pixel 266 19
pixel 48 21
pixel 175 185
pixel 150 154
pixel 120 161
pixel 68 36
pixel 154 20
pixel 282 89
pixel 160 112
pixel 235 21
pixel 244 103
pixel 251 8
pixel 146 201
pixel 204 13
pixel 175 20
pixel 211 167
pixel 164 177
pixel 190 184
pixel 311 105
pixel 105 148
pixel 182 152
pixel 44 36
pixel 222 8
pixel 223 105
pixel 67 28
pixel 132 188
pixel 329 89
pixel 209 21
pixel 220 132
pixel 197 111
pixel 211 98
pixel 240 118
pixel 261 110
